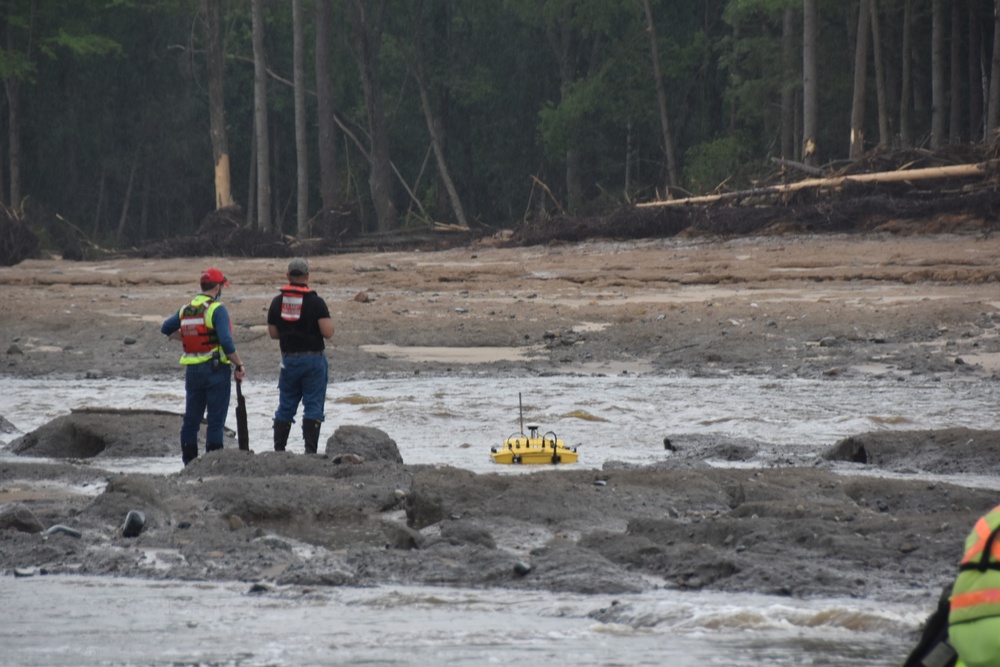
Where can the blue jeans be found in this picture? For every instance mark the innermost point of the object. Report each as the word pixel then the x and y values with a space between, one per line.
pixel 206 389
pixel 302 379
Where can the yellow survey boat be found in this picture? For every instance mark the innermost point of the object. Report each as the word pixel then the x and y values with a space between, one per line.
pixel 533 449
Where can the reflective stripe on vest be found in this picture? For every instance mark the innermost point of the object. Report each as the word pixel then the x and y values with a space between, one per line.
pixel 291 302
pixel 982 530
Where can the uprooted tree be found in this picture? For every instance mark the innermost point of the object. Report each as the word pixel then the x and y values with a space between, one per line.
pixel 17 241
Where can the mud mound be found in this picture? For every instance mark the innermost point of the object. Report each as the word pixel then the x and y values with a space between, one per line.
pixel 110 432
pixel 222 233
pixel 957 450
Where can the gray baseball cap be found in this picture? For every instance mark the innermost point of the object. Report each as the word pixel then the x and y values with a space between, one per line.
pixel 298 267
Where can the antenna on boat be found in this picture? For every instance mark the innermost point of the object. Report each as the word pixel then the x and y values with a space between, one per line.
pixel 520 409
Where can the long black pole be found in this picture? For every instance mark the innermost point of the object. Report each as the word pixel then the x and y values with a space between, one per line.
pixel 520 409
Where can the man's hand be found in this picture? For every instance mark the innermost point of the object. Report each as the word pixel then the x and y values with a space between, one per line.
pixel 240 373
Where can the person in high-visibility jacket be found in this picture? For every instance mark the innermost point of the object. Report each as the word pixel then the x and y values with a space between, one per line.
pixel 974 615
pixel 204 328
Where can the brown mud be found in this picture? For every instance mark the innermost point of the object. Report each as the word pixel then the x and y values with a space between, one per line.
pixel 858 521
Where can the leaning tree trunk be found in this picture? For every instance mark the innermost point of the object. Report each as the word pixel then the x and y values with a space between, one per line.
pixel 434 131
pixel 661 99
pixel 262 141
pixel 123 219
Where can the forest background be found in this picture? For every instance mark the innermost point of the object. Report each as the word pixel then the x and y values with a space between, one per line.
pixel 131 120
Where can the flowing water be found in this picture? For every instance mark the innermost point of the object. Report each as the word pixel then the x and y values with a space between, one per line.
pixel 102 621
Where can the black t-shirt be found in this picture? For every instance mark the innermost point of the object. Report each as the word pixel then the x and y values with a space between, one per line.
pixel 302 335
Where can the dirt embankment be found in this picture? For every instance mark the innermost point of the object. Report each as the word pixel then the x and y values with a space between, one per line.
pixel 818 306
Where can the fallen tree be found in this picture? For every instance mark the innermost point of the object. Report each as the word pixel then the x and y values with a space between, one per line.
pixel 961 171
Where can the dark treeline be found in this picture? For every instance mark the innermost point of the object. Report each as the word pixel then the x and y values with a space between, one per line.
pixel 130 120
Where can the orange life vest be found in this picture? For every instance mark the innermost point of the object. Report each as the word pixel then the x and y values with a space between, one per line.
pixel 198 335
pixel 291 301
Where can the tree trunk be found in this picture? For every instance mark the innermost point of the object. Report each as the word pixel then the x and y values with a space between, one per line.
pixel 661 99
pixel 445 174
pixel 325 119
pixel 938 101
pixel 252 180
pixel 560 36
pixel 367 27
pixel 434 129
pixel 211 11
pixel 881 92
pixel 993 113
pixel 13 86
pixel 955 115
pixel 301 144
pixel 906 84
pixel 787 84
pixel 976 79
pixel 144 211
pixel 102 189
pixel 810 82
pixel 260 120
pixel 860 81
pixel 123 219
pixel 899 176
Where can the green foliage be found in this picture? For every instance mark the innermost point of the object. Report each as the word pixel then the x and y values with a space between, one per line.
pixel 713 163
pixel 514 86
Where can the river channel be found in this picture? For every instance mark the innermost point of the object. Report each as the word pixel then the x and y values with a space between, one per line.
pixel 47 620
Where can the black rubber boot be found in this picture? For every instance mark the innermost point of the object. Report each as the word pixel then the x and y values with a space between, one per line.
pixel 211 447
pixel 281 431
pixel 189 453
pixel 310 433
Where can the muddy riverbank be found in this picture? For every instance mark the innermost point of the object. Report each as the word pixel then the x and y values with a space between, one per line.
pixel 901 308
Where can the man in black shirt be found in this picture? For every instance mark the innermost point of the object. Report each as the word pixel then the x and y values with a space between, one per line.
pixel 299 320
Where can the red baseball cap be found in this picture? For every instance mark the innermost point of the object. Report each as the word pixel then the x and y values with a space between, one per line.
pixel 214 276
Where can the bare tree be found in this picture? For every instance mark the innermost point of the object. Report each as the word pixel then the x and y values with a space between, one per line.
pixel 993 110
pixel 211 15
pixel 301 145
pixel 788 50
pixel 938 100
pixel 860 81
pixel 906 85
pixel 810 81
pixel 955 116
pixel 434 127
pixel 880 85
pixel 261 140
pixel 123 218
pixel 661 98
pixel 976 79
pixel 367 20
pixel 325 114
